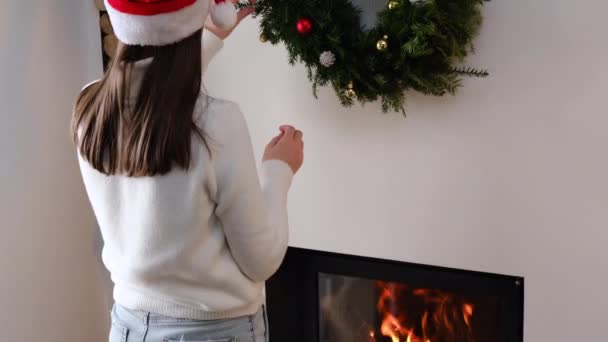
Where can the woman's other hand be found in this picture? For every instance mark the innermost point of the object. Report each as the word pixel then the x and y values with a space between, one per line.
pixel 288 146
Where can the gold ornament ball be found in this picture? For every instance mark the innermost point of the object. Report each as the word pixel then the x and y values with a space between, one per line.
pixel 263 38
pixel 393 4
pixel 350 93
pixel 382 44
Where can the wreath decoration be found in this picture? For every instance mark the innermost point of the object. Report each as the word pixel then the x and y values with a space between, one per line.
pixel 415 45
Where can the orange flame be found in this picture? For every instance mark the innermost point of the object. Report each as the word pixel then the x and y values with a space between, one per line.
pixel 467 313
pixel 440 315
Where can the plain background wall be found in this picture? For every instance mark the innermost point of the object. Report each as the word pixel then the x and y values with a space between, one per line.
pixel 509 176
pixel 51 289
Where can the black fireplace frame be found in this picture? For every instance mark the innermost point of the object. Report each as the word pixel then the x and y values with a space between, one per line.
pixel 292 293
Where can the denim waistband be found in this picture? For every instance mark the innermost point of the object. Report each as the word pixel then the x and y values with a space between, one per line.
pixel 145 317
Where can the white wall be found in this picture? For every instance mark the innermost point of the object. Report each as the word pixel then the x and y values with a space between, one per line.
pixel 51 286
pixel 510 176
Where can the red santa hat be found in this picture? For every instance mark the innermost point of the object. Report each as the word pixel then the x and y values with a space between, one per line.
pixel 163 22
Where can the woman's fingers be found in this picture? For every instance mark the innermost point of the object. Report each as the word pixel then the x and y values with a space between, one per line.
pixel 245 11
pixel 291 132
pixel 298 135
pixel 288 131
pixel 275 140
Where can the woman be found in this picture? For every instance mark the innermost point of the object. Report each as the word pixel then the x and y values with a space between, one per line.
pixel 189 233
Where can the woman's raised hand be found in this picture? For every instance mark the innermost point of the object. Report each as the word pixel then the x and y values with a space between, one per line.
pixel 241 14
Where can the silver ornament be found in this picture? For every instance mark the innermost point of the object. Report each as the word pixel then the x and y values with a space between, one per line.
pixel 327 59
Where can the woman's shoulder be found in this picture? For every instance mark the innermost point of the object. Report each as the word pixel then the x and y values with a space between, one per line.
pixel 215 116
pixel 219 106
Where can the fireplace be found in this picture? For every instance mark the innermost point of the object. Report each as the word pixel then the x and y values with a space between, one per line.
pixel 327 297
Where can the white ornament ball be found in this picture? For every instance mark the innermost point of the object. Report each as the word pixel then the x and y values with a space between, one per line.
pixel 223 14
pixel 327 59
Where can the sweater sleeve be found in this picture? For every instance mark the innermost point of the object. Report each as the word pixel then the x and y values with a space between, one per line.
pixel 212 44
pixel 253 215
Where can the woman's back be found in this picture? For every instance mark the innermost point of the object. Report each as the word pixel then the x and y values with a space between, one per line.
pixel 166 244
pixel 190 234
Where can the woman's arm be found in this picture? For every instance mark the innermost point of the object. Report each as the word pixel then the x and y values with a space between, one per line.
pixel 212 44
pixel 213 37
pixel 253 215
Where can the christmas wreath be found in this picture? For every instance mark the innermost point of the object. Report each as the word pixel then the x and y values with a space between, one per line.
pixel 417 45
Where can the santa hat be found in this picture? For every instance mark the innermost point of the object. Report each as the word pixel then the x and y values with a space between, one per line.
pixel 163 22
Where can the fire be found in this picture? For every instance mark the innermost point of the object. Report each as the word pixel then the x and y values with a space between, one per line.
pixel 434 315
pixel 467 313
pixel 392 328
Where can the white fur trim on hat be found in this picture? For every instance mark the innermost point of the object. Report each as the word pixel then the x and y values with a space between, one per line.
pixel 160 29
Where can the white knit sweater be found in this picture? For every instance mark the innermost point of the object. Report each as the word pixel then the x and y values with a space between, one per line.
pixel 199 243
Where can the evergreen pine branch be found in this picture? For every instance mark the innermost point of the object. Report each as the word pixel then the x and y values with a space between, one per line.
pixel 245 4
pixel 471 72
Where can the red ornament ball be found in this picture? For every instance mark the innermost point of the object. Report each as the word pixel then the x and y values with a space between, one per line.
pixel 304 26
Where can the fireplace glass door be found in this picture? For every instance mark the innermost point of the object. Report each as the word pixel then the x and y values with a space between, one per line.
pixel 355 309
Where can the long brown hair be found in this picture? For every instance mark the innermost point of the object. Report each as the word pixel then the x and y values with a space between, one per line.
pixel 152 135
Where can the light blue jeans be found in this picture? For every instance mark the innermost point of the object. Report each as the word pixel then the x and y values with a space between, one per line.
pixel 140 326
